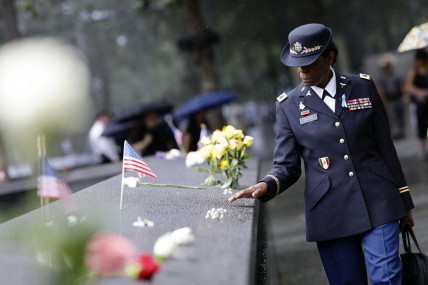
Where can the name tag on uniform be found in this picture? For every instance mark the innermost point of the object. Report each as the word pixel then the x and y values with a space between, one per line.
pixel 308 119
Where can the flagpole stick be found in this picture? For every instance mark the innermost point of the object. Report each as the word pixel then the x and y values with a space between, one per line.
pixel 121 181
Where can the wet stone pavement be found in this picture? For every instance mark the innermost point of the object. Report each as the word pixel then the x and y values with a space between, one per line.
pixel 293 261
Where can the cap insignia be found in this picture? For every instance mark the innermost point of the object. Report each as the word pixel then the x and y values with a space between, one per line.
pixel 297 48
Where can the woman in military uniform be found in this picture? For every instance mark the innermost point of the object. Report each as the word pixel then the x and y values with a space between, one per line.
pixel 356 196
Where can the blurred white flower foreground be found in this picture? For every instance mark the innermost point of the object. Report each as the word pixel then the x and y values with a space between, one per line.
pixel 44 87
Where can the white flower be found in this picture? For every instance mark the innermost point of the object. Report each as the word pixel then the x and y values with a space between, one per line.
pixel 42 79
pixel 227 191
pixel 164 246
pixel 182 236
pixel 248 141
pixel 131 181
pixel 194 158
pixel 215 213
pixel 173 154
pixel 143 223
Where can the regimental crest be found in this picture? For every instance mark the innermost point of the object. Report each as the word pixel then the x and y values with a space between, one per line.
pixel 324 162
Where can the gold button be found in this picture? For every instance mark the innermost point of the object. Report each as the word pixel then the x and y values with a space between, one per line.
pixel 337 124
pixel 342 141
pixel 351 174
pixel 345 157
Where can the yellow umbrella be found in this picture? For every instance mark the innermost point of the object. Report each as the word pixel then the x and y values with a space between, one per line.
pixel 417 38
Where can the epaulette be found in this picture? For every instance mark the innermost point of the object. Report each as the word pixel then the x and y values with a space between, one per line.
pixel 364 76
pixel 282 97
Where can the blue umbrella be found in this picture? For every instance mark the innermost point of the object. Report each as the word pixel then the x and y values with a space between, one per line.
pixel 202 102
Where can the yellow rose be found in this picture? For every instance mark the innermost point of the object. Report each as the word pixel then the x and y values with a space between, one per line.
pixel 248 141
pixel 223 142
pixel 205 140
pixel 235 144
pixel 206 151
pixel 228 131
pixel 217 135
pixel 223 163
pixel 218 151
pixel 238 134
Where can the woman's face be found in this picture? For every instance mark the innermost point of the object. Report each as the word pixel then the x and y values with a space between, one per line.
pixel 317 73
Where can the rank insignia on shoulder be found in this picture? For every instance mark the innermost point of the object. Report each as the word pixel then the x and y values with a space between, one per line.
pixel 282 97
pixel 364 76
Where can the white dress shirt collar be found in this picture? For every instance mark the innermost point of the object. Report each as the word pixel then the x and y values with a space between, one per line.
pixel 331 86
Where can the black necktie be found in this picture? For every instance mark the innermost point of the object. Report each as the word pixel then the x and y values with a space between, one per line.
pixel 325 93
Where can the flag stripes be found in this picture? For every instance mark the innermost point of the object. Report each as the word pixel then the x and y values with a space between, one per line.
pixel 132 161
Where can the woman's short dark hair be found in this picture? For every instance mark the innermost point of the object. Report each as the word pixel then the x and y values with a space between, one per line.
pixel 331 47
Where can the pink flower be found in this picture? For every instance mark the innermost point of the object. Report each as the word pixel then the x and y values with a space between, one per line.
pixel 142 267
pixel 108 253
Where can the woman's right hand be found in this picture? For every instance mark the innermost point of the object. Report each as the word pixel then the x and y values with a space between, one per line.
pixel 254 191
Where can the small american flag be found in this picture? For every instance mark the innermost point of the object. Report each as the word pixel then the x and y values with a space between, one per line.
pixel 132 161
pixel 50 186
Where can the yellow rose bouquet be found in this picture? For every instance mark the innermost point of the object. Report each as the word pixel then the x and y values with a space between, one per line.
pixel 225 153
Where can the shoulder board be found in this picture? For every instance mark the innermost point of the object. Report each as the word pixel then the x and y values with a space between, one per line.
pixel 364 76
pixel 282 97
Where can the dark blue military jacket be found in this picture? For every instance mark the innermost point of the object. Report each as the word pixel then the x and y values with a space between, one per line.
pixel 354 181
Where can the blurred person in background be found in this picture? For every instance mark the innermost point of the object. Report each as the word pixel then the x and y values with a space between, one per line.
pixel 103 147
pixel 416 85
pixel 156 135
pixel 194 131
pixel 390 90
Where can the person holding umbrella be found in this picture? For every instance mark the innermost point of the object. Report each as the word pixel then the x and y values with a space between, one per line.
pixel 194 111
pixel 356 196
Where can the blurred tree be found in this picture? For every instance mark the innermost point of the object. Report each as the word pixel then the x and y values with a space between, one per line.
pixel 8 18
pixel 199 43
